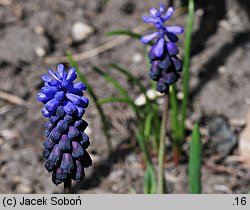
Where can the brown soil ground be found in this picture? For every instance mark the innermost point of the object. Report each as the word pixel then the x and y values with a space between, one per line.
pixel 219 85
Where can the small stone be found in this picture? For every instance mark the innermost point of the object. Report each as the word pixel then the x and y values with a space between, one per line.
pixel 137 58
pixel 39 30
pixel 222 138
pixel 222 189
pixel 81 31
pixel 17 180
pixel 180 95
pixel 22 188
pixel 151 94
pixel 238 122
pixel 200 12
pixel 40 52
pixel 222 69
pixel 140 100
pixel 116 174
pixel 18 43
pixel 244 142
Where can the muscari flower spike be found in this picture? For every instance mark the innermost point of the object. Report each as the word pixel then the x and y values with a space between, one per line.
pixel 165 65
pixel 66 143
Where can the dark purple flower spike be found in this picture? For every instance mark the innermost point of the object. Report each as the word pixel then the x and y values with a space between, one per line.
pixel 165 65
pixel 66 143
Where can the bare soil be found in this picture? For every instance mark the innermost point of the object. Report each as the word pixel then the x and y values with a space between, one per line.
pixel 219 86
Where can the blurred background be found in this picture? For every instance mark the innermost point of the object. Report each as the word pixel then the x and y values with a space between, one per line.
pixel 34 36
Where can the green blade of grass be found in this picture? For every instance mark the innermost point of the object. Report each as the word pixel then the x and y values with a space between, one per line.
pixel 130 77
pixel 136 81
pixel 113 81
pixel 148 124
pixel 195 158
pixel 149 180
pixel 125 32
pixel 112 100
pixel 188 39
pixel 104 120
pixel 120 88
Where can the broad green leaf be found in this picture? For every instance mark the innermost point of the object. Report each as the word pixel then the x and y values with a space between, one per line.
pixel 195 159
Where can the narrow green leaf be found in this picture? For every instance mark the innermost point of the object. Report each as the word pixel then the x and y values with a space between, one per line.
pixel 120 88
pixel 148 124
pixel 104 120
pixel 112 81
pixel 187 48
pixel 125 32
pixel 156 127
pixel 149 180
pixel 137 82
pixel 130 77
pixel 112 100
pixel 195 159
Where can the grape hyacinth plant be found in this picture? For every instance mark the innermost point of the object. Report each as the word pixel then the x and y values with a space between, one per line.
pixel 165 65
pixel 165 69
pixel 66 143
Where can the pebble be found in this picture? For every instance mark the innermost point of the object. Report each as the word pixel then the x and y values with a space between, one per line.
pixel 180 95
pixel 116 175
pixel 39 30
pixel 222 189
pixel 151 94
pixel 17 180
pixel 81 31
pixel 221 136
pixel 40 52
pixel 137 58
pixel 22 188
pixel 244 142
pixel 140 100
pixel 222 69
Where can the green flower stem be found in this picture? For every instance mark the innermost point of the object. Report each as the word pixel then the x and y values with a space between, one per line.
pixel 67 186
pixel 161 180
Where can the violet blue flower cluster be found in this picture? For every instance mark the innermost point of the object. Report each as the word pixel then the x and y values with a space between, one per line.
pixel 165 65
pixel 66 143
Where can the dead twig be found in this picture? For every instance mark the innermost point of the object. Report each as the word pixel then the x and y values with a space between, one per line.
pixel 93 52
pixel 106 46
pixel 90 53
pixel 6 2
pixel 12 98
